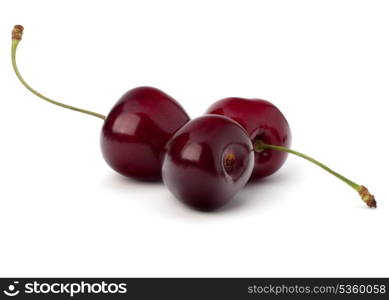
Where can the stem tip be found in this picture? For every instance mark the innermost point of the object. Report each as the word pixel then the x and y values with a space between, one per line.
pixel 17 32
pixel 367 197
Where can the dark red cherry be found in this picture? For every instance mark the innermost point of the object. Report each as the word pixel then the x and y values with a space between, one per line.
pixel 208 161
pixel 263 121
pixel 136 130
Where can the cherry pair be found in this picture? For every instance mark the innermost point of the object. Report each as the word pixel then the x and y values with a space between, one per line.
pixel 212 157
pixel 204 162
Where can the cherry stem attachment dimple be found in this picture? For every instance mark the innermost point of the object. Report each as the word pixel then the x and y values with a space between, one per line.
pixel 368 198
pixel 17 34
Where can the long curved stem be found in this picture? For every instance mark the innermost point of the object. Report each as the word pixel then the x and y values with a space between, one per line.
pixel 16 38
pixel 369 199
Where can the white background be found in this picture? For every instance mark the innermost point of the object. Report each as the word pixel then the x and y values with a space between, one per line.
pixel 325 64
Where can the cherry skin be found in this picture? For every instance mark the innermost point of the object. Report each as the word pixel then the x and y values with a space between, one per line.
pixel 136 130
pixel 208 161
pixel 262 121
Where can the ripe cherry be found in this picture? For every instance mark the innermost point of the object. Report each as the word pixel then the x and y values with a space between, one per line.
pixel 135 132
pixel 208 161
pixel 262 121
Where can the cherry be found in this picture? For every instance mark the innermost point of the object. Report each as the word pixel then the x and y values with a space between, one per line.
pixel 211 158
pixel 208 161
pixel 263 121
pixel 135 132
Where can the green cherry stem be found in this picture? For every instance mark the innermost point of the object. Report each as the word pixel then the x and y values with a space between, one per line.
pixel 368 198
pixel 17 34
